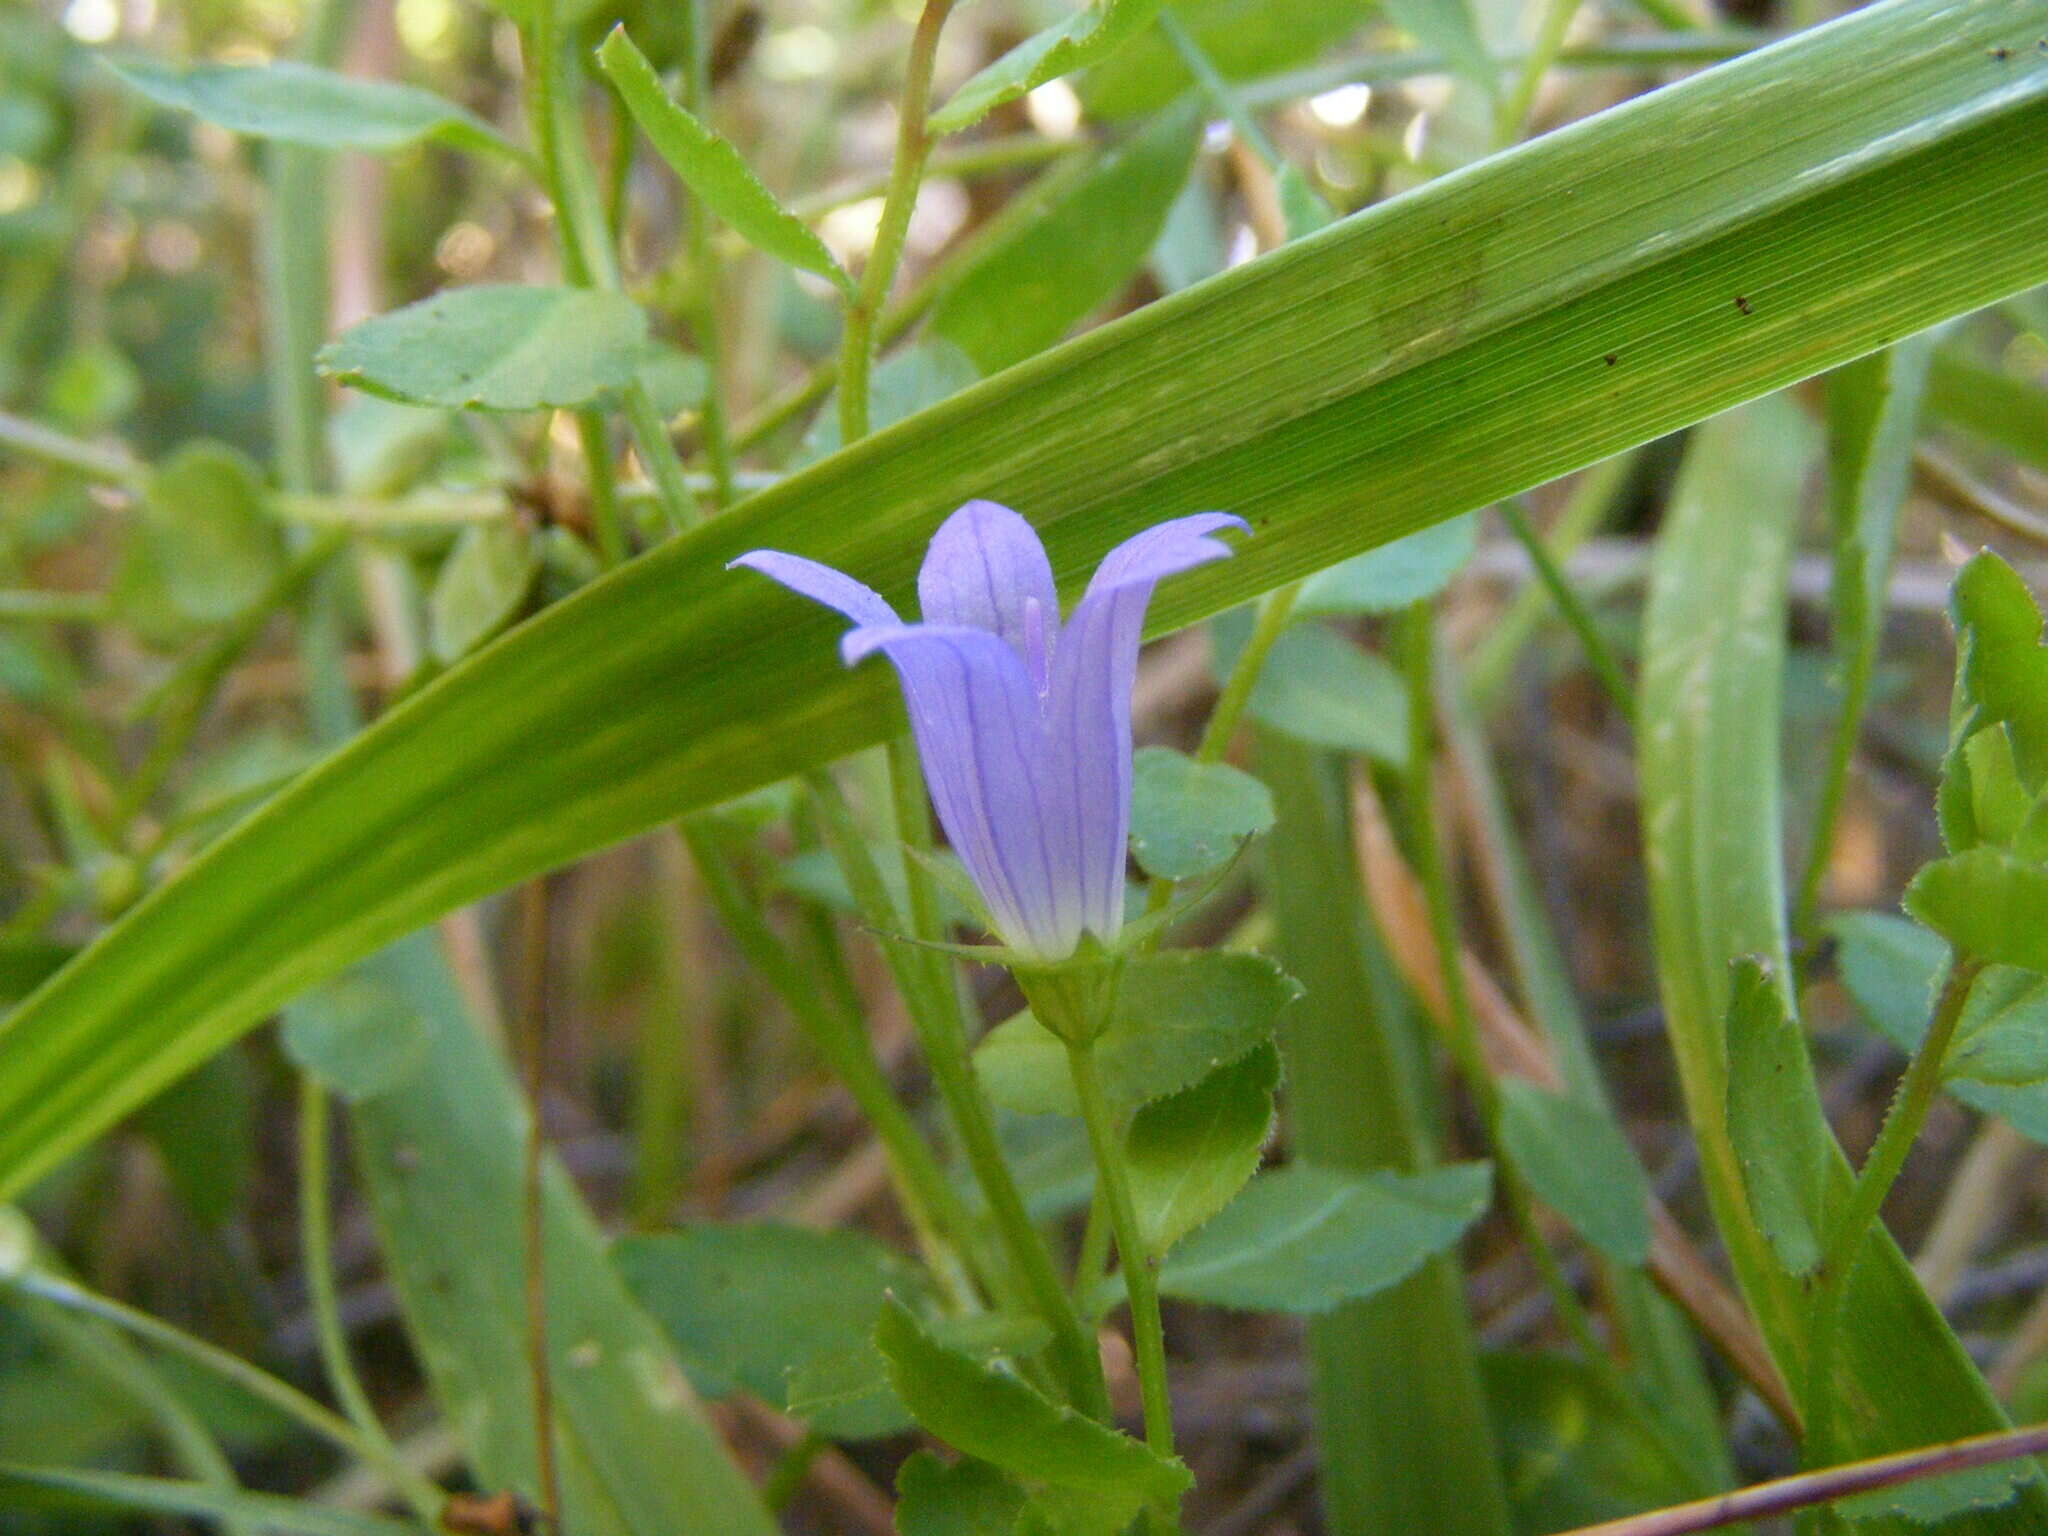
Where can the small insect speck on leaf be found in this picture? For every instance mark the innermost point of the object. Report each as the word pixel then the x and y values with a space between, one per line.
pixel 1742 303
pixel 1611 359
pixel 2001 54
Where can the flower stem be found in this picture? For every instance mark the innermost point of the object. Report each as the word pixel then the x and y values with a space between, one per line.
pixel 1880 1170
pixel 934 1004
pixel 588 261
pixel 1274 610
pixel 913 144
pixel 1135 1260
pixel 317 1255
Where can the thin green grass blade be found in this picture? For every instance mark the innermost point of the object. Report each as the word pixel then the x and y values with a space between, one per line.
pixel 1423 1458
pixel 1714 647
pixel 1599 287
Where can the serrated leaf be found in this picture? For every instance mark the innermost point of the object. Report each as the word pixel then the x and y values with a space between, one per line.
pixel 1189 818
pixel 710 166
pixel 968 1498
pixel 752 1304
pixel 1092 33
pixel 1575 1157
pixel 1394 575
pixel 1191 1152
pixel 297 103
pixel 357 1035
pixel 1180 1015
pixel 1070 250
pixel 495 347
pixel 481 587
pixel 2002 664
pixel 1304 1239
pixel 1001 1420
pixel 1988 904
pixel 1775 1119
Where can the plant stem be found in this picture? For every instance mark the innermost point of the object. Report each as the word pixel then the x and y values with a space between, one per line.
pixel 1802 1490
pixel 46 445
pixel 937 1214
pixel 913 143
pixel 254 1380
pixel 1511 113
pixel 705 268
pixel 1880 1170
pixel 317 1256
pixel 588 260
pixel 1599 655
pixel 1135 1260
pixel 928 991
pixel 1274 611
pixel 1217 89
pixel 531 1009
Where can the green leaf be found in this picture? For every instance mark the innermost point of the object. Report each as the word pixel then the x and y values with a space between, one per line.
pixel 1572 1451
pixel 1714 640
pixel 204 1128
pixel 1361 1095
pixel 28 1487
pixel 1321 689
pixel 495 347
pixel 1244 39
pixel 750 1305
pixel 1892 967
pixel 999 1419
pixel 1303 1238
pixel 2002 665
pixel 441 1156
pixel 481 587
pixel 1181 1013
pixel 1190 1152
pixel 356 1035
pixel 1775 1120
pixel 1394 575
pixel 1993 405
pixel 2002 1037
pixel 711 167
pixel 1988 904
pixel 1092 33
pixel 968 1498
pixel 1424 357
pixel 204 548
pixel 1575 1157
pixel 300 104
pixel 1448 27
pixel 1189 818
pixel 1071 250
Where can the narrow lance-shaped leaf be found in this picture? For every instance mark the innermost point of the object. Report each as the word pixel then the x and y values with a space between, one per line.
pixel 1090 34
pixel 300 104
pixel 1857 183
pixel 710 166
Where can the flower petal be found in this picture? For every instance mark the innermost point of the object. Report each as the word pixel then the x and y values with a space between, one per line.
pixel 1166 549
pixel 984 564
pixel 982 740
pixel 821 584
pixel 1089 708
